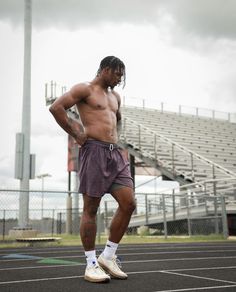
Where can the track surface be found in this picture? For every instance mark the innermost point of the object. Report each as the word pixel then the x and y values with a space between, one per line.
pixel 150 267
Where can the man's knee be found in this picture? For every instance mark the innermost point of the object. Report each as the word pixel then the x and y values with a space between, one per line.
pixel 129 206
pixel 91 211
pixel 91 206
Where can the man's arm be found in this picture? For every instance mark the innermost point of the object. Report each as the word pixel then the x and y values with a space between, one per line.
pixel 66 101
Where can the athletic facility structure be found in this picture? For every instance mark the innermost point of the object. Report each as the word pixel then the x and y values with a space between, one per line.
pixel 198 152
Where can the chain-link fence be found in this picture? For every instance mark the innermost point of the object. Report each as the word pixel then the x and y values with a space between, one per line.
pixel 198 209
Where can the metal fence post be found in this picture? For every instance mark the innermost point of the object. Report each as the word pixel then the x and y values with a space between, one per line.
pixel 59 223
pixel 224 218
pixel 174 207
pixel 3 224
pixel 69 214
pixel 188 216
pixel 164 216
pixel 146 209
pixel 215 202
pixel 53 214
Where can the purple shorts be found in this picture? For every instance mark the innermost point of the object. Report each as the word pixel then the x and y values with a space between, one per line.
pixel 101 166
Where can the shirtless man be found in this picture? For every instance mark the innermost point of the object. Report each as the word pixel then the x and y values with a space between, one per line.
pixel 103 168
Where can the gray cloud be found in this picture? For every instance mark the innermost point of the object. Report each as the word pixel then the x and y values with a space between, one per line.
pixel 214 18
pixel 207 18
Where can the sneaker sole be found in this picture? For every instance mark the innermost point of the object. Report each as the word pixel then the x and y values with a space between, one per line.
pixel 111 273
pixel 103 280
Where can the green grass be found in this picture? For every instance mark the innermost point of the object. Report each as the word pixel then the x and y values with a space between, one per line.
pixel 74 240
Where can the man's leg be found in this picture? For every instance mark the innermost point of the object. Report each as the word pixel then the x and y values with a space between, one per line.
pixel 88 228
pixel 125 198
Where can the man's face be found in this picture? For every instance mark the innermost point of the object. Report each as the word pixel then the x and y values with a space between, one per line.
pixel 114 77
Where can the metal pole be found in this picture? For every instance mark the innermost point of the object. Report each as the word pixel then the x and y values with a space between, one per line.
pixel 146 209
pixel 26 120
pixel 53 214
pixel 164 216
pixel 224 218
pixel 3 224
pixel 188 216
pixel 75 201
pixel 42 203
pixel 174 208
pixel 215 202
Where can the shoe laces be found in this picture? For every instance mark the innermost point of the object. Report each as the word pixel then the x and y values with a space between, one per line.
pixel 117 260
pixel 99 269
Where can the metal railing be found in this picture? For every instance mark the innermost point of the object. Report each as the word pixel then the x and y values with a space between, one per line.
pixel 193 209
pixel 179 109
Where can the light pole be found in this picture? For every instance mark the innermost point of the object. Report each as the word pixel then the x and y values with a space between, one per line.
pixel 42 176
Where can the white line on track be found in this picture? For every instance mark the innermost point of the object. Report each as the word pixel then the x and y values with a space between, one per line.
pixel 129 273
pixel 140 261
pixel 39 280
pixel 198 289
pixel 141 253
pixel 200 269
pixel 198 277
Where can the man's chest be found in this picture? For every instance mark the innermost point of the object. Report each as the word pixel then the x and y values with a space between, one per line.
pixel 103 101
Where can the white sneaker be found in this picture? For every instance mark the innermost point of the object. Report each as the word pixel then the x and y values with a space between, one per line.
pixel 112 267
pixel 96 274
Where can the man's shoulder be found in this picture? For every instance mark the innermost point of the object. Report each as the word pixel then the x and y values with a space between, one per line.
pixel 82 85
pixel 116 94
pixel 83 88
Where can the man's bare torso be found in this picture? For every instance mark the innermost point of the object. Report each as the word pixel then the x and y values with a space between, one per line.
pixel 98 113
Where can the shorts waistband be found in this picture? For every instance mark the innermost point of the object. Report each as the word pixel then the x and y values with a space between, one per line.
pixel 111 146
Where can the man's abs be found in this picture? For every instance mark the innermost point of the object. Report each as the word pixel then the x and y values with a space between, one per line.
pixel 102 133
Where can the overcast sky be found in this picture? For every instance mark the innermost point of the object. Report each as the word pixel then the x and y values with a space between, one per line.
pixel 175 51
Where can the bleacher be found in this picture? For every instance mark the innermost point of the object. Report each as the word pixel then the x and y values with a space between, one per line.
pixel 183 147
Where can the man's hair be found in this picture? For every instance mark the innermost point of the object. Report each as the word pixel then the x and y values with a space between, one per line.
pixel 114 63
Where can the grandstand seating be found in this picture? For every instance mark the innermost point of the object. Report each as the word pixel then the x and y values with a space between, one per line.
pixel 183 147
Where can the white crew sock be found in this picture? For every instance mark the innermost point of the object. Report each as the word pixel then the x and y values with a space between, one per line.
pixel 91 258
pixel 110 250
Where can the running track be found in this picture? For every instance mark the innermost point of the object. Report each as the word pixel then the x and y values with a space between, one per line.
pixel 150 267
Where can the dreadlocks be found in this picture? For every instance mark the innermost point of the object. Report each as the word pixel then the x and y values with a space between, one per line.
pixel 113 63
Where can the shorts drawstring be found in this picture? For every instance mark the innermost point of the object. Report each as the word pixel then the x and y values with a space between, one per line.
pixel 111 147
